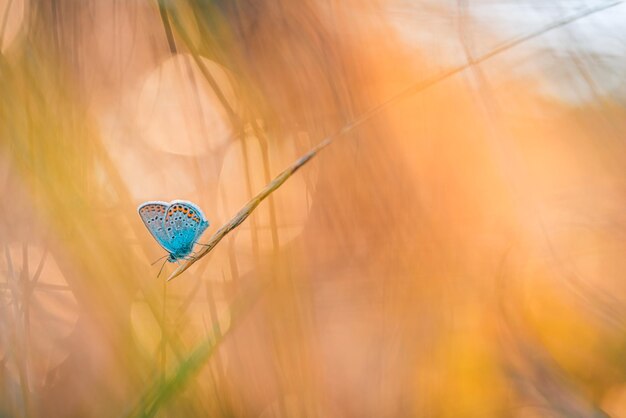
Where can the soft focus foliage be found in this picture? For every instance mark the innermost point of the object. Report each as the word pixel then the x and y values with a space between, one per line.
pixel 459 253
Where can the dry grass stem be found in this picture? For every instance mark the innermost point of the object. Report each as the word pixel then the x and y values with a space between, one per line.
pixel 409 91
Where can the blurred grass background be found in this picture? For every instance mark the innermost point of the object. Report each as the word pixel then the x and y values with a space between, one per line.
pixel 460 254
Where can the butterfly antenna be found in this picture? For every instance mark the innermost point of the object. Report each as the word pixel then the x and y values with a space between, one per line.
pixel 161 269
pixel 158 259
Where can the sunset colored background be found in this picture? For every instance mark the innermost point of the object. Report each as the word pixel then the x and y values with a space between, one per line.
pixel 458 251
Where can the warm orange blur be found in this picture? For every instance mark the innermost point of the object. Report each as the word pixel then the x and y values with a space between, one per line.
pixel 457 254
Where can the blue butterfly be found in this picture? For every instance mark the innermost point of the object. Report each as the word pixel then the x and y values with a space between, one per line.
pixel 176 225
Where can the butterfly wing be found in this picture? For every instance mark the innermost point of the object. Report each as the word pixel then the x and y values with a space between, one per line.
pixel 153 216
pixel 183 224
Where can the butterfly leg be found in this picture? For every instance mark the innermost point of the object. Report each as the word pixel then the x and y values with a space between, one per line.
pixel 158 259
pixel 161 269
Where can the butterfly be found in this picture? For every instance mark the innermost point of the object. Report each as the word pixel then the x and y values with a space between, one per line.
pixel 176 225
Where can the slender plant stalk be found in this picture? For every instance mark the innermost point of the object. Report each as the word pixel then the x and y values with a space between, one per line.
pixel 157 394
pixel 250 206
pixel 408 92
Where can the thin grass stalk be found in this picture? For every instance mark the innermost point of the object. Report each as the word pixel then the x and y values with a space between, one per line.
pixel 219 366
pixel 243 214
pixel 418 87
pixel 234 118
pixel 20 357
pixel 167 27
pixel 160 392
